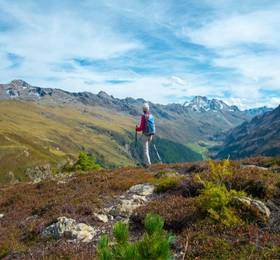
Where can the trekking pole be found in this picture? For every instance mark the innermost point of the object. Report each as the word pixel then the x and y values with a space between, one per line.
pixel 136 139
pixel 157 154
pixel 135 148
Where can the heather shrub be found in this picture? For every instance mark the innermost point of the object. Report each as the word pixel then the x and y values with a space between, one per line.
pixel 155 243
pixel 190 187
pixel 262 161
pixel 176 211
pixel 167 183
pixel 258 183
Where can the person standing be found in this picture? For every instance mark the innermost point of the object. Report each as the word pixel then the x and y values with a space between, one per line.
pixel 147 127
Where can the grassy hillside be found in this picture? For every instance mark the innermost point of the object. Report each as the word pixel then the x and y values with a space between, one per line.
pixel 34 134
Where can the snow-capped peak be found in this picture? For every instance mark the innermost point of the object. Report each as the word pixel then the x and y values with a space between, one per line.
pixel 203 104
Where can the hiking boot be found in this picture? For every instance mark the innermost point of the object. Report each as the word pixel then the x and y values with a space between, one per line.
pixel 147 166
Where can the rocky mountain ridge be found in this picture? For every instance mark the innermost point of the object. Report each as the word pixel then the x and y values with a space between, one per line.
pixel 203 104
pixel 19 89
pixel 260 136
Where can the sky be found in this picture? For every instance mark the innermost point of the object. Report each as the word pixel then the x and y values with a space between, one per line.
pixel 164 51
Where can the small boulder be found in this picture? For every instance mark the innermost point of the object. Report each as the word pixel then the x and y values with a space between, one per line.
pixel 69 229
pixel 255 208
pixel 126 207
pixel 2 216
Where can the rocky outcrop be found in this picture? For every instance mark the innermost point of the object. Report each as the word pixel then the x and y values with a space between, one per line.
pixel 122 209
pixel 135 197
pixel 68 228
pixel 39 173
pixel 255 208
pixel 44 172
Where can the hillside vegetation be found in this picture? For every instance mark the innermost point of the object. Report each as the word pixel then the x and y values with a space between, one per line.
pixel 33 134
pixel 221 210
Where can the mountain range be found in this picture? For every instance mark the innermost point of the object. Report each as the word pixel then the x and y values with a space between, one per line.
pixel 260 136
pixel 45 125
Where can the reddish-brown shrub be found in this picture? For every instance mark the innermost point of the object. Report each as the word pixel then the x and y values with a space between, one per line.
pixel 190 187
pixel 258 183
pixel 176 211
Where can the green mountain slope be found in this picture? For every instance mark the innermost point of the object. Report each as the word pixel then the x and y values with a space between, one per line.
pixel 260 136
pixel 34 134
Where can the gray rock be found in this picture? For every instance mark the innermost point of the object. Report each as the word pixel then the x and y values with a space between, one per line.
pixel 136 196
pixel 69 229
pixel 102 217
pixel 142 189
pixel 256 207
pixel 167 173
pixel 126 207
pixel 254 167
pixel 39 173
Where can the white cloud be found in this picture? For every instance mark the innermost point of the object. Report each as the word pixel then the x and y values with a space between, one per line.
pixel 259 27
pixel 58 31
pixel 247 43
pixel 178 80
pixel 46 38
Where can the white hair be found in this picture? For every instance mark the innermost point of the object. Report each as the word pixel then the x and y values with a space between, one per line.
pixel 146 107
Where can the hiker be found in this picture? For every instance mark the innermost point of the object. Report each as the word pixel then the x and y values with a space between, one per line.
pixel 147 127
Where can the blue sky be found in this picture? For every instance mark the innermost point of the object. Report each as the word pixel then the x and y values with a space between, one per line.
pixel 161 50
